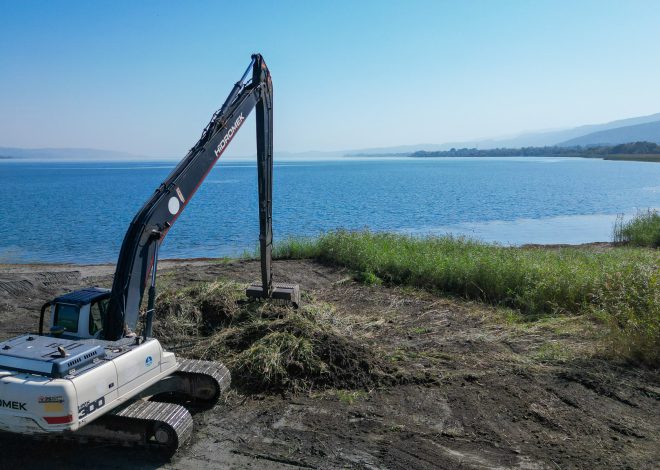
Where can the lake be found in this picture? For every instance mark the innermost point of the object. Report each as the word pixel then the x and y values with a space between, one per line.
pixel 79 212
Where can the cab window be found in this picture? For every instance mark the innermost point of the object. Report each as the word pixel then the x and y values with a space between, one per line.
pixel 96 316
pixel 67 316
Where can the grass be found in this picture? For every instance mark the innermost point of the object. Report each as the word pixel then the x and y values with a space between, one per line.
pixel 277 358
pixel 630 304
pixel 296 248
pixel 618 286
pixel 420 330
pixel 552 352
pixel 642 230
pixel 348 397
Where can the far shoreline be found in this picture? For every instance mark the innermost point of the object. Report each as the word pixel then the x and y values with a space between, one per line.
pixel 644 158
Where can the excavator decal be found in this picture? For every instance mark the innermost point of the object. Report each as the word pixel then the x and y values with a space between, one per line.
pixel 14 405
pixel 229 135
pixel 90 407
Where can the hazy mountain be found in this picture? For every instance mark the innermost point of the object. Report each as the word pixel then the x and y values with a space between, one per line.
pixel 397 149
pixel 68 154
pixel 555 137
pixel 649 132
pixel 537 139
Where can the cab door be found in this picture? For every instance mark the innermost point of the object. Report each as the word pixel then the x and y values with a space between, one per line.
pixel 97 312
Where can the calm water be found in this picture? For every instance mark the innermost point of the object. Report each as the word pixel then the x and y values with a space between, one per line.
pixel 78 212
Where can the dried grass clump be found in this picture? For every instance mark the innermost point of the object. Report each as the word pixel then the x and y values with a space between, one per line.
pixel 268 347
pixel 277 360
pixel 196 309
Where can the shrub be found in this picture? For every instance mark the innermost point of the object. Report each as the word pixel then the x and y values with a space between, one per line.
pixel 642 230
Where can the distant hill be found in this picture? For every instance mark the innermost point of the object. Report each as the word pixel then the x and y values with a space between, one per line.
pixel 555 137
pixel 398 149
pixel 77 154
pixel 640 132
pixel 563 137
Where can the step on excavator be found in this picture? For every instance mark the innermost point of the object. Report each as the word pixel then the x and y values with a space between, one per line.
pixel 90 377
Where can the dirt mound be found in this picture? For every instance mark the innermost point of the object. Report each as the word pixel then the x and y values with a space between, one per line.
pixel 268 347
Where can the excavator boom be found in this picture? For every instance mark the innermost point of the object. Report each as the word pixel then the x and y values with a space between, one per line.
pixel 139 250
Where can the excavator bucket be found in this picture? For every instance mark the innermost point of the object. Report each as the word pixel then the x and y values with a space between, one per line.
pixel 289 294
pixel 285 293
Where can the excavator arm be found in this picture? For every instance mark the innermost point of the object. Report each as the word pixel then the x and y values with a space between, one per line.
pixel 138 256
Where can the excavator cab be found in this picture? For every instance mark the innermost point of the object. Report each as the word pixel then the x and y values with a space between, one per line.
pixel 78 314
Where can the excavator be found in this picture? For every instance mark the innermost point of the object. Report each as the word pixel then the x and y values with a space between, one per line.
pixel 90 376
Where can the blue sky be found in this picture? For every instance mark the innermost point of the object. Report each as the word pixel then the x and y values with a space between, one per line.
pixel 145 77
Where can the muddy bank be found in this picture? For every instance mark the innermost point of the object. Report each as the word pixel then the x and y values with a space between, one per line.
pixel 499 394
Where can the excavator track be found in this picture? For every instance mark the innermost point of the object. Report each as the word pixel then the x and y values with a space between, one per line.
pixel 161 427
pixel 164 426
pixel 206 380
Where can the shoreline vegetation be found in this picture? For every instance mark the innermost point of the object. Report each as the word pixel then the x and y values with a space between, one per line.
pixel 618 287
pixel 642 230
pixel 633 151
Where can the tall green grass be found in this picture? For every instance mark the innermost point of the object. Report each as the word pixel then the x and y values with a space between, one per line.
pixel 621 284
pixel 642 230
pixel 296 248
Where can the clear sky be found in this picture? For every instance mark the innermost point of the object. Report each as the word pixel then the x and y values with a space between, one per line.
pixel 145 77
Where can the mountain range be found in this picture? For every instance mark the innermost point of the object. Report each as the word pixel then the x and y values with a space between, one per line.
pixel 624 130
pixel 642 128
pixel 649 131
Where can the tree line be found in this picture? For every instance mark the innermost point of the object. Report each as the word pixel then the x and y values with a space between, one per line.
pixel 631 148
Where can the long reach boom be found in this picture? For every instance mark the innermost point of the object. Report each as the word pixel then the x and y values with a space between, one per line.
pixel 137 263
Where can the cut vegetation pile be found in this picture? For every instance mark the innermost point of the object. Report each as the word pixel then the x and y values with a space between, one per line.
pixel 267 347
pixel 620 286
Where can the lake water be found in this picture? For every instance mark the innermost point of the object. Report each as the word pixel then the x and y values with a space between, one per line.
pixel 78 212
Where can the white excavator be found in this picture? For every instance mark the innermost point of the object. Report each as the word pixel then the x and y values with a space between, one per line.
pixel 89 376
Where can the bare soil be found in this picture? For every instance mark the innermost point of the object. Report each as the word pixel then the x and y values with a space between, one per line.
pixel 489 392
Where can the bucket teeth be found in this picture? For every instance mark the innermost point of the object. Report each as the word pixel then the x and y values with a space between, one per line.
pixel 288 294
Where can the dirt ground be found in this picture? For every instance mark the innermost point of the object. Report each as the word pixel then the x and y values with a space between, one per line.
pixel 491 392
